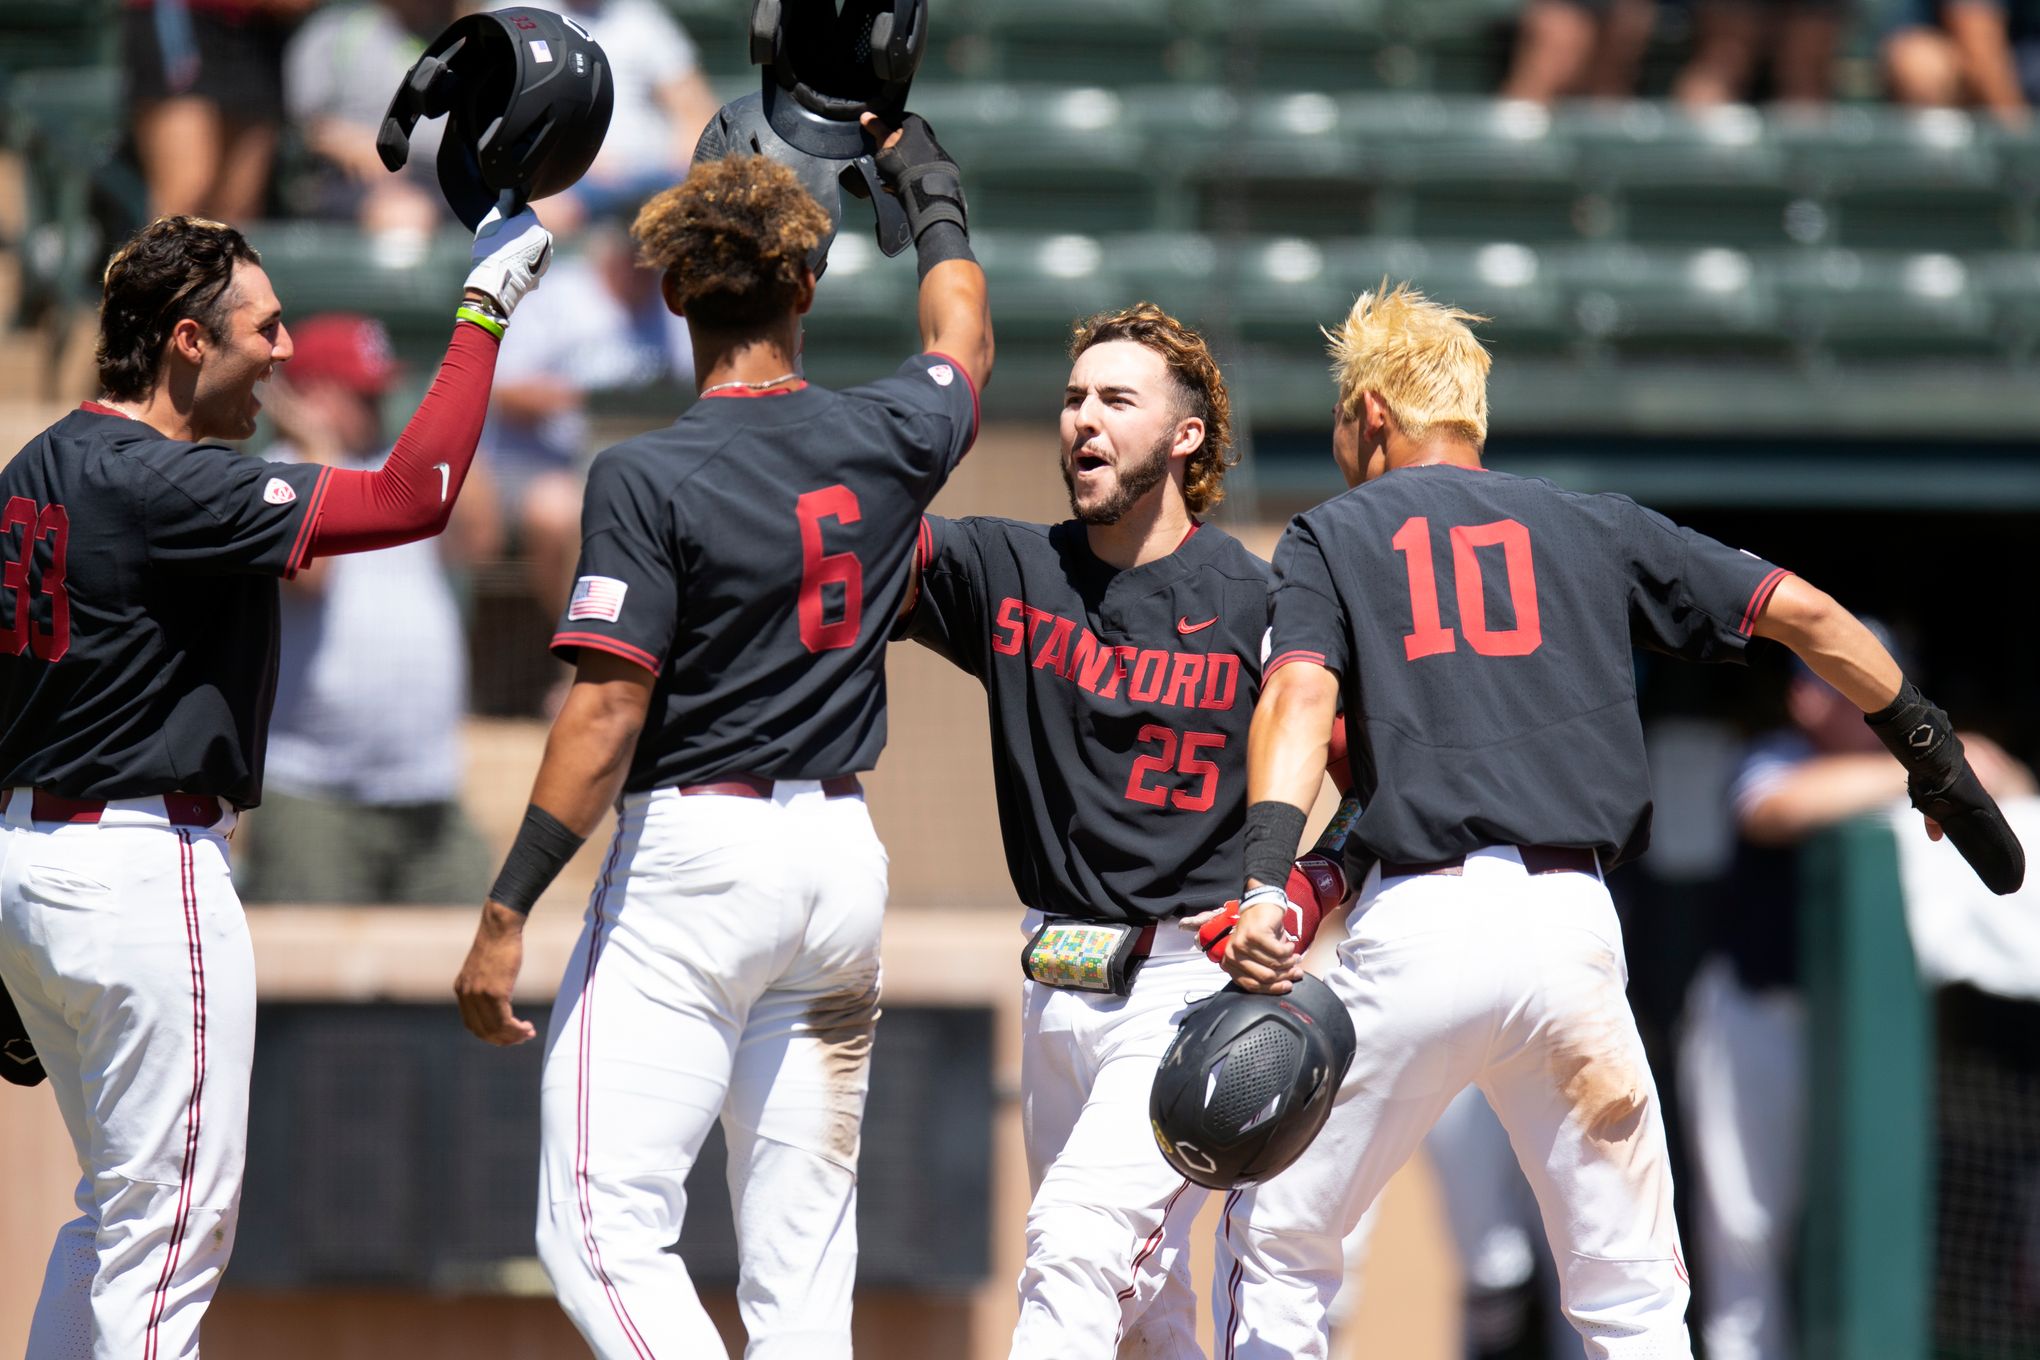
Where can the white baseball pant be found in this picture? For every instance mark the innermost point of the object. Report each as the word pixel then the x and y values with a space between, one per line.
pixel 1108 1265
pixel 124 947
pixel 1514 982
pixel 1742 1071
pixel 728 968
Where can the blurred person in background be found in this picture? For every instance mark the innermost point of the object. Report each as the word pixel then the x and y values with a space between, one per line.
pixel 663 100
pixel 1742 1060
pixel 1734 40
pixel 204 85
pixel 1579 49
pixel 1981 54
pixel 338 73
pixel 607 329
pixel 363 796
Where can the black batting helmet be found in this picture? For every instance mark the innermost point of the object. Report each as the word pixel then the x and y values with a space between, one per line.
pixel 824 69
pixel 527 95
pixel 1248 1082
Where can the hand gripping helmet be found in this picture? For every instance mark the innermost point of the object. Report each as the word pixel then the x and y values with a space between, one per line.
pixel 824 69
pixel 527 96
pixel 1248 1082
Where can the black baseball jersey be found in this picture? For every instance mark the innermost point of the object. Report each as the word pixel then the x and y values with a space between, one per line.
pixel 138 609
pixel 1119 706
pixel 1482 625
pixel 752 556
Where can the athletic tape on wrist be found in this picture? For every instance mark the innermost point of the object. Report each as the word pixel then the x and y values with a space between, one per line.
pixel 474 314
pixel 1273 831
pixel 543 846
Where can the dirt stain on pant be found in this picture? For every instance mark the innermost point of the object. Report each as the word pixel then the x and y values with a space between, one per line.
pixel 842 1024
pixel 1596 1062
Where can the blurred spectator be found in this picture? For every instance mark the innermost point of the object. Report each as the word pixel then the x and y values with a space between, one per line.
pixel 1734 39
pixel 662 103
pixel 1966 53
pixel 205 96
pixel 1742 1063
pixel 599 324
pixel 339 73
pixel 364 770
pixel 1579 49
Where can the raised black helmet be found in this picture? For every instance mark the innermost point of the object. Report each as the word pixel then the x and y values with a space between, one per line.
pixel 1248 1082
pixel 527 96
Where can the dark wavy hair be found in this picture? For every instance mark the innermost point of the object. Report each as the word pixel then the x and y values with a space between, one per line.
pixel 732 240
pixel 174 269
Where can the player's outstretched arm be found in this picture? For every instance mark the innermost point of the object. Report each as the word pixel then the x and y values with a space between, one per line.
pixel 586 757
pixel 1287 748
pixel 1840 650
pixel 411 495
pixel 955 309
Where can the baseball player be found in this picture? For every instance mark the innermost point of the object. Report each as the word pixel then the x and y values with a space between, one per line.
pixel 1479 627
pixel 738 572
pixel 138 656
pixel 1120 653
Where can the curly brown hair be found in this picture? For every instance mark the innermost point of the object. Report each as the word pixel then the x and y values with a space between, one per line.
pixel 1199 383
pixel 732 240
pixel 172 270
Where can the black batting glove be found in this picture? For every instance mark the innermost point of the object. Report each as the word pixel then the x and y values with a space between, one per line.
pixel 1944 787
pixel 921 173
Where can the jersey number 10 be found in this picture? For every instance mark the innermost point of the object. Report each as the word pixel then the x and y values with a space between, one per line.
pixel 39 522
pixel 1429 635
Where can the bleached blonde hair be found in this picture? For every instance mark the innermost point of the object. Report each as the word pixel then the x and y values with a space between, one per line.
pixel 1420 357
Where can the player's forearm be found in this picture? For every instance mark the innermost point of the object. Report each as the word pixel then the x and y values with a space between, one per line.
pixel 1832 642
pixel 588 754
pixel 411 496
pixel 1287 747
pixel 956 317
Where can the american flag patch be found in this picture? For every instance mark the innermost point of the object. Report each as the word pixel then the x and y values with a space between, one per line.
pixel 597 597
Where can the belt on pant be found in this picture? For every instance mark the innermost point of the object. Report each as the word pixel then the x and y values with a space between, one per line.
pixel 757 786
pixel 181 809
pixel 1537 859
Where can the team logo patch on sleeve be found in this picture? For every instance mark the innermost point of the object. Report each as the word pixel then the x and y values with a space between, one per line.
pixel 279 492
pixel 943 374
pixel 597 597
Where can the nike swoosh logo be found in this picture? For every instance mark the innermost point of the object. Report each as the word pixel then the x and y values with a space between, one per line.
pixel 445 475
pixel 1183 624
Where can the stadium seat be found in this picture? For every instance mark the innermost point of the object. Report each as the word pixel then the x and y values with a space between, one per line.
pixel 1283 165
pixel 1637 301
pixel 52 33
pixel 1509 283
pixel 1469 169
pixel 1876 170
pixel 320 267
pixel 2009 286
pixel 1273 45
pixel 1104 42
pixel 1461 46
pixel 1860 304
pixel 721 31
pixel 79 196
pixel 1045 158
pixel 1678 178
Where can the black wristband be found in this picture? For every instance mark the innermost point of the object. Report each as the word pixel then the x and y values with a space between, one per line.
pixel 1274 829
pixel 1920 735
pixel 939 243
pixel 543 846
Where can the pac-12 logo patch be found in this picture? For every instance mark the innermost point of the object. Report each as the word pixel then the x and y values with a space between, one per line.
pixel 279 492
pixel 943 375
pixel 597 597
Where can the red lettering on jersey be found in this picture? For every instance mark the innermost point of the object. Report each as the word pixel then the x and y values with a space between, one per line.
pixel 1055 653
pixel 1149 670
pixel 1006 629
pixel 1122 664
pixel 1221 680
pixel 1088 661
pixel 1184 673
pixel 1035 618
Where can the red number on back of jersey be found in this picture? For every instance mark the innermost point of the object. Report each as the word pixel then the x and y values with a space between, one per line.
pixel 39 522
pixel 818 569
pixel 1429 636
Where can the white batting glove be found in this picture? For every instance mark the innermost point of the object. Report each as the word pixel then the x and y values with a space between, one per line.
pixel 509 257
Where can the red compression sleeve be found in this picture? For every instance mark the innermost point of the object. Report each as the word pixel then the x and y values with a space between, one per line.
pixel 411 496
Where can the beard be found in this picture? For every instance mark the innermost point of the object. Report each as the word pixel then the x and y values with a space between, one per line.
pixel 1136 478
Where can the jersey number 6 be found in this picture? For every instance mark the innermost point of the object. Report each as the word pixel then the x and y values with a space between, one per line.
pixel 40 522
pixel 1429 635
pixel 818 569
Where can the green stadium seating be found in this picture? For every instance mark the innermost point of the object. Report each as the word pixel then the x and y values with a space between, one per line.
pixel 1891 178
pixel 1294 44
pixel 67 126
pixel 321 267
pixel 1461 46
pixel 1105 42
pixel 1676 178
pixel 35 34
pixel 2009 286
pixel 1046 158
pixel 721 30
pixel 1860 304
pixel 1470 169
pixel 1665 301
pixel 1282 165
